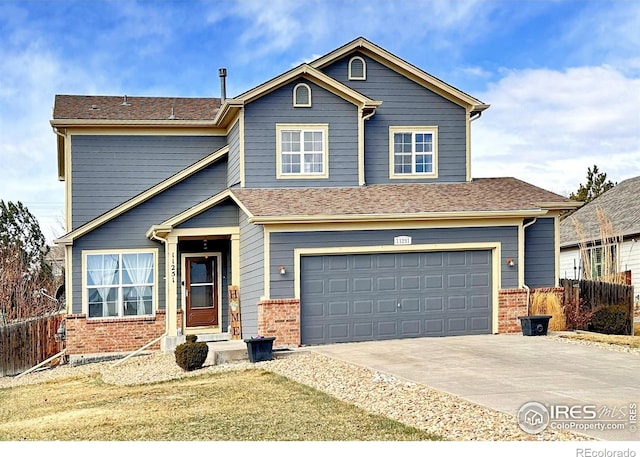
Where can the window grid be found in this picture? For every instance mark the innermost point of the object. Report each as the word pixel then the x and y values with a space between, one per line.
pixel 413 152
pixel 302 152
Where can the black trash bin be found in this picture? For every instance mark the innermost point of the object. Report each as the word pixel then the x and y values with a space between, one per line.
pixel 260 349
pixel 534 325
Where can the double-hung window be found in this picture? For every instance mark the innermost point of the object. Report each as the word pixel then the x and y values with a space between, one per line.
pixel 602 261
pixel 413 152
pixel 119 284
pixel 302 151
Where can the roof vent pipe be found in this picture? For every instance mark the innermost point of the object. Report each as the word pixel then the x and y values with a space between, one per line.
pixel 222 72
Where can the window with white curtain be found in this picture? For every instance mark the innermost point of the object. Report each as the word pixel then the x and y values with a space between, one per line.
pixel 120 284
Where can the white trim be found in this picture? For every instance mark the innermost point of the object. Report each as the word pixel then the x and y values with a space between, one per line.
pixel 183 298
pixel 364 69
pixel 298 104
pixel 413 130
pixel 494 247
pixel 324 129
pixel 84 301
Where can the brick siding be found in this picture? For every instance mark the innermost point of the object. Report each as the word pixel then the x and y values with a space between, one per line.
pixel 280 318
pixel 96 336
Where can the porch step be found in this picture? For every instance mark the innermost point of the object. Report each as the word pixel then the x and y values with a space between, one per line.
pixel 221 352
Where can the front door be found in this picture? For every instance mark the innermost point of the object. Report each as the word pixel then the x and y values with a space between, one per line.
pixel 201 291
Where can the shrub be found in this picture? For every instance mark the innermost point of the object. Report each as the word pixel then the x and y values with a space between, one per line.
pixel 548 303
pixel 191 354
pixel 578 316
pixel 612 320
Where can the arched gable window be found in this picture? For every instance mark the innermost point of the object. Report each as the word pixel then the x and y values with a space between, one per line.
pixel 301 95
pixel 357 69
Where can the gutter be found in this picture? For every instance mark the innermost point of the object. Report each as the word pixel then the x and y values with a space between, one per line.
pixel 155 237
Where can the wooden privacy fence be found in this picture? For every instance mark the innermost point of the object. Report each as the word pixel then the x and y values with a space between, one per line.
pixel 595 294
pixel 25 344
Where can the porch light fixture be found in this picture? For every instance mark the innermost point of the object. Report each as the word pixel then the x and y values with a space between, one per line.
pixel 510 262
pixel 282 270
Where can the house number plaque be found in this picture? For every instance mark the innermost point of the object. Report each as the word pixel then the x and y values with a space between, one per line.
pixel 234 313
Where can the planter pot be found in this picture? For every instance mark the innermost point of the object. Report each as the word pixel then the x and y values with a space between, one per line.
pixel 534 325
pixel 260 349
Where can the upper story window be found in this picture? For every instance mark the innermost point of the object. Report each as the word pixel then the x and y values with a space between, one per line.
pixel 357 69
pixel 119 284
pixel 413 152
pixel 302 96
pixel 302 150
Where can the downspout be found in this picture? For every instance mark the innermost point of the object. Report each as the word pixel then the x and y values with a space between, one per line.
pixel 524 286
pixel 364 119
pixel 155 237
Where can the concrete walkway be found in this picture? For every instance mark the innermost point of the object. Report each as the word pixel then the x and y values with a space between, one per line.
pixel 504 372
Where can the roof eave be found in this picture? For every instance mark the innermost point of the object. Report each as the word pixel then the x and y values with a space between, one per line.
pixel 396 217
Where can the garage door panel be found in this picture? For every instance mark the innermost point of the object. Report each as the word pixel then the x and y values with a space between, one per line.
pixel 363 330
pixel 356 297
pixel 480 302
pixel 434 327
pixel 338 285
pixel 362 285
pixel 457 325
pixel 458 303
pixel 387 306
pixel 480 280
pixel 479 324
pixel 338 309
pixel 338 331
pixel 387 329
pixel 410 327
pixel 434 282
pixel 410 305
pixel 434 304
pixel 456 280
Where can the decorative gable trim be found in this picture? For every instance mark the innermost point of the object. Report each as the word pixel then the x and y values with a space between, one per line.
pixel 143 197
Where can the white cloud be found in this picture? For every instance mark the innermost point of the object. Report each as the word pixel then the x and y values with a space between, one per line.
pixel 547 127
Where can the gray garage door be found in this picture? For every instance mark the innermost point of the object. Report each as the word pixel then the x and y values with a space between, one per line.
pixel 365 297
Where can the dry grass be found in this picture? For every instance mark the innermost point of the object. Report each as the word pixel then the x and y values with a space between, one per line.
pixel 250 405
pixel 618 340
pixel 547 303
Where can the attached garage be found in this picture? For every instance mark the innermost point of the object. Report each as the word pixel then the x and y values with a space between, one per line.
pixel 364 297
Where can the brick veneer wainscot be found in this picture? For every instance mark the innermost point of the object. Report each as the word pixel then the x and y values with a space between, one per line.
pixel 280 318
pixel 95 336
pixel 512 303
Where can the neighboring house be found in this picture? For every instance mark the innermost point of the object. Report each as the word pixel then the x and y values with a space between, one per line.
pixel 582 251
pixel 337 197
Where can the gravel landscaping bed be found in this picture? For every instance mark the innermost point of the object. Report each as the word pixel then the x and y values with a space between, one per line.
pixel 412 404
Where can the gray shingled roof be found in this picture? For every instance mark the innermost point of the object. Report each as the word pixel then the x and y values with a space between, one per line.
pixel 123 108
pixel 483 194
pixel 621 205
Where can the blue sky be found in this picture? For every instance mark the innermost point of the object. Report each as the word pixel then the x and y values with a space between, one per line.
pixel 562 77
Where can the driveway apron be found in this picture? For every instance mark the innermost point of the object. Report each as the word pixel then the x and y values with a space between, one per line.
pixel 504 372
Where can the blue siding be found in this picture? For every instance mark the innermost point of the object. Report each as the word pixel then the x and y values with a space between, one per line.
pixel 128 230
pixel 539 253
pixel 233 173
pixel 223 215
pixel 251 274
pixel 261 117
pixel 406 103
pixel 108 170
pixel 283 245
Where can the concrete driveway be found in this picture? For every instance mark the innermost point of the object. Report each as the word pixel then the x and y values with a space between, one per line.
pixel 504 372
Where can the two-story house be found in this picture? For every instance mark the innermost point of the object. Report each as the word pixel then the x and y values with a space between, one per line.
pixel 336 198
